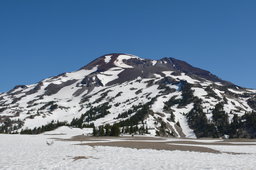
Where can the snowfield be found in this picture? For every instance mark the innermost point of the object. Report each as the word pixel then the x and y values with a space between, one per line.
pixel 32 152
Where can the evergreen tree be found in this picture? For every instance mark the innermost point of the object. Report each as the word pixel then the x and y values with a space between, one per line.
pixel 197 121
pixel 127 130
pixel 249 124
pixel 107 130
pixel 220 119
pixel 101 131
pixel 187 93
pixel 235 126
pixel 131 130
pixel 147 130
pixel 94 132
pixel 115 130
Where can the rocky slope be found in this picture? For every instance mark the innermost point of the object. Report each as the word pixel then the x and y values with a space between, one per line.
pixel 165 97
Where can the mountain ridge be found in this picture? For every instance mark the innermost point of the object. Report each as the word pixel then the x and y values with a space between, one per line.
pixel 130 91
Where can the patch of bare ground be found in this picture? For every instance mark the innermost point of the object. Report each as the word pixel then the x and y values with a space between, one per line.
pixel 158 143
pixel 209 143
pixel 153 145
pixel 106 138
pixel 86 138
pixel 240 140
pixel 142 138
pixel 76 158
pixel 81 138
pixel 55 134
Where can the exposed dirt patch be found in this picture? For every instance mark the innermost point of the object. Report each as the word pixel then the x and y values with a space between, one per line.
pixel 81 138
pixel 153 145
pixel 76 158
pixel 106 138
pixel 208 143
pixel 159 143
pixel 55 134
pixel 141 138
pixel 240 140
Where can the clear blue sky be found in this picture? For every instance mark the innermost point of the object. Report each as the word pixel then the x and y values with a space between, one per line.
pixel 42 38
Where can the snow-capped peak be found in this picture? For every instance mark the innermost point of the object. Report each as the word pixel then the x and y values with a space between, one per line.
pixel 119 62
pixel 115 87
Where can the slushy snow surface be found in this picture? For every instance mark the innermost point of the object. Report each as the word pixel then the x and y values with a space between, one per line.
pixel 31 152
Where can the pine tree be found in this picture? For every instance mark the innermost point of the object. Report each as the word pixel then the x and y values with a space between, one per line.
pixel 197 121
pixel 94 132
pixel 220 119
pixel 101 131
pixel 131 130
pixel 127 129
pixel 147 130
pixel 107 129
pixel 234 126
pixel 115 130
pixel 187 93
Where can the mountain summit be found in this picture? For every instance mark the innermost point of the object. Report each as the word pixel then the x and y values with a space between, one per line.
pixel 166 97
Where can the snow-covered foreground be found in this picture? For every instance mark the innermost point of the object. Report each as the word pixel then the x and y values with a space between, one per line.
pixel 32 152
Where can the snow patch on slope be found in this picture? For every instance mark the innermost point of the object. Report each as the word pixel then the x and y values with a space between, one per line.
pixel 183 76
pixel 235 91
pixel 120 63
pixel 154 62
pixel 107 58
pixel 109 75
pixel 181 117
pixel 200 92
pixel 80 74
